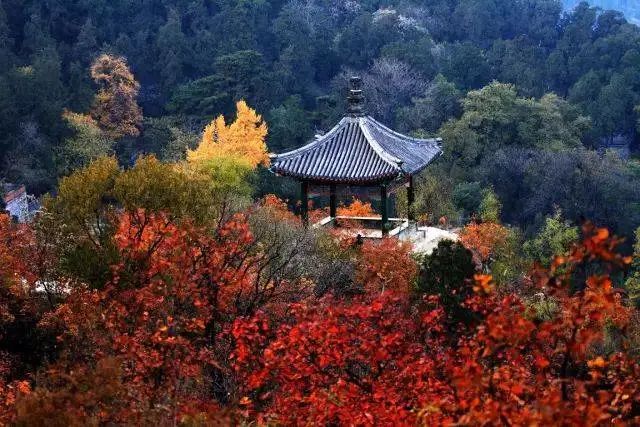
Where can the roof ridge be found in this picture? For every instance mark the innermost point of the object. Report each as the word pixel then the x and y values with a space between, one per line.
pixel 379 150
pixel 399 135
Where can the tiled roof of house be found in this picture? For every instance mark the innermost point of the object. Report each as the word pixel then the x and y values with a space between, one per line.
pixel 10 192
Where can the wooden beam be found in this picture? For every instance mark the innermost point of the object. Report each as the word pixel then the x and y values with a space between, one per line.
pixel 411 198
pixel 384 208
pixel 333 201
pixel 304 201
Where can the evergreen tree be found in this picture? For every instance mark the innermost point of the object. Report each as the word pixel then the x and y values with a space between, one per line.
pixel 490 207
pixel 36 36
pixel 6 42
pixel 555 238
pixel 448 272
pixel 86 45
pixel 172 50
pixel 289 125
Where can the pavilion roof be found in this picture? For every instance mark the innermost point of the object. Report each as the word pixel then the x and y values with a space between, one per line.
pixel 358 150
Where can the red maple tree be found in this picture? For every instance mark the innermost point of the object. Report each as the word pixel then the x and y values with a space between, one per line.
pixel 383 360
pixel 167 340
pixel 16 305
pixel 386 264
pixel 157 320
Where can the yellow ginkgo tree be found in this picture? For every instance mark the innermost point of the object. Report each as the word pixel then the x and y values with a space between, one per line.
pixel 228 155
pixel 242 141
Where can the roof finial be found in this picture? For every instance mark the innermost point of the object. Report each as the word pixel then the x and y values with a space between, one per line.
pixel 356 97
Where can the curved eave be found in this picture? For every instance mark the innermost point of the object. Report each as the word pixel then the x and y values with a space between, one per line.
pixel 420 169
pixel 326 180
pixel 415 154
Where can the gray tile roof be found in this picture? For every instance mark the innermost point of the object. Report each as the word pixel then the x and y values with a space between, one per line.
pixel 358 150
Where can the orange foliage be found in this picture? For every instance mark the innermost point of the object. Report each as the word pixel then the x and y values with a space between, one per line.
pixel 16 272
pixel 317 215
pixel 145 348
pixel 483 239
pixel 85 394
pixel 100 396
pixel 340 363
pixel 157 318
pixel 115 108
pixel 378 362
pixel 169 341
pixel 16 242
pixel 10 393
pixel 546 372
pixel 386 264
pixel 16 306
pixel 278 208
pixel 358 208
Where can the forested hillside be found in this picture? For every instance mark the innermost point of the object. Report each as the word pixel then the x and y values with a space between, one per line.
pixel 567 81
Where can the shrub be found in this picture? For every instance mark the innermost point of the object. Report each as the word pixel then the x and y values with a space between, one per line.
pixel 447 272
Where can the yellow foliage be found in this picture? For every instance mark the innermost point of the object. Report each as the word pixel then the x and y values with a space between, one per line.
pixel 244 139
pixel 87 143
pixel 79 119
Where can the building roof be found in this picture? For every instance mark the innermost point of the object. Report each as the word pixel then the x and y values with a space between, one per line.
pixel 358 150
pixel 11 192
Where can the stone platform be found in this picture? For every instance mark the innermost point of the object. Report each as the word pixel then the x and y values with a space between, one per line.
pixel 423 239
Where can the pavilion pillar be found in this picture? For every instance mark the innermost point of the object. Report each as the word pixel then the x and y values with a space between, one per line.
pixel 384 209
pixel 411 198
pixel 333 201
pixel 304 201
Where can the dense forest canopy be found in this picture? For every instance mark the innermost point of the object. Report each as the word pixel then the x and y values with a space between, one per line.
pixel 568 83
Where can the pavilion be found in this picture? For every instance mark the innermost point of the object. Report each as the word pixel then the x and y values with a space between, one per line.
pixel 358 152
